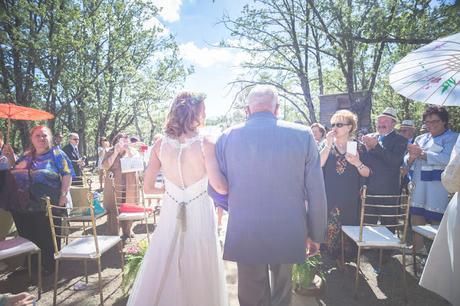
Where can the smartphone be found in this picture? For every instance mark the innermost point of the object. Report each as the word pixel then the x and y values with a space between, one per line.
pixel 352 147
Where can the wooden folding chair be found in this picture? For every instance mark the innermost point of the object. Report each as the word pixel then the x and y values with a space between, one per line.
pixel 377 236
pixel 19 246
pixel 81 247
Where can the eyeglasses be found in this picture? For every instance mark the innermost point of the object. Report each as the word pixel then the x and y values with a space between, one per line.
pixel 431 121
pixel 339 125
pixel 76 139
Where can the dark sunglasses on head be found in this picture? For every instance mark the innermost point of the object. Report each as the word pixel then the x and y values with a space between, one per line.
pixel 339 125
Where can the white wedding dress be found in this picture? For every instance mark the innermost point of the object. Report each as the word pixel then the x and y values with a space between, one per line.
pixel 183 265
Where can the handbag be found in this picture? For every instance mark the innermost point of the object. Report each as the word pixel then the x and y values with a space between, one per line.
pixel 451 176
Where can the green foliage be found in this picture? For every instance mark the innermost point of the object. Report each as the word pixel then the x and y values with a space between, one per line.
pixel 310 48
pixel 99 66
pixel 303 274
pixel 133 263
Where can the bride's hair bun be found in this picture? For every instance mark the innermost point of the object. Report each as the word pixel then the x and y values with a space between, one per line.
pixel 184 115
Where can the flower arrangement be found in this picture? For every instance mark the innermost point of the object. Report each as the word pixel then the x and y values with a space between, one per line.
pixel 304 274
pixel 134 256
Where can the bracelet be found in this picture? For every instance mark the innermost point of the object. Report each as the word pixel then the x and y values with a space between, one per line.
pixel 360 167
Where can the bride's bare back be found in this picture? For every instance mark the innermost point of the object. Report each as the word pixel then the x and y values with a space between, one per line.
pixel 183 162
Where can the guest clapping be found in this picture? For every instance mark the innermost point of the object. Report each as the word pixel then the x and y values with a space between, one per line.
pixel 429 156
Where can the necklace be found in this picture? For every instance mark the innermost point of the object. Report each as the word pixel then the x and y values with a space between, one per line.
pixel 340 160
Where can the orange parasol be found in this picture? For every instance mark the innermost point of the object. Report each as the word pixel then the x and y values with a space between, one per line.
pixel 13 111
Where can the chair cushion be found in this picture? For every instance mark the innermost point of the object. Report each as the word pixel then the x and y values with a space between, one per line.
pixel 132 208
pixel 378 236
pixel 16 246
pixel 428 230
pixel 131 216
pixel 86 247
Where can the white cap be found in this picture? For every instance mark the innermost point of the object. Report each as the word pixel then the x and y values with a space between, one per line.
pixel 408 123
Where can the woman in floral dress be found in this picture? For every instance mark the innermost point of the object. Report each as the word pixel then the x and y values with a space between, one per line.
pixel 342 177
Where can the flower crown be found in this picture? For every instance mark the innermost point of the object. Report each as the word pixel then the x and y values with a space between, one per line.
pixel 193 99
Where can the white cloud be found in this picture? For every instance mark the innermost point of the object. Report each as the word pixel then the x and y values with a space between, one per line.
pixel 154 22
pixel 169 9
pixel 207 57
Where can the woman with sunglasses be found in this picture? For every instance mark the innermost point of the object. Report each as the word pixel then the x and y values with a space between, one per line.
pixel 342 178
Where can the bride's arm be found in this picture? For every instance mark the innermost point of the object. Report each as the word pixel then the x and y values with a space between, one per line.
pixel 153 168
pixel 216 178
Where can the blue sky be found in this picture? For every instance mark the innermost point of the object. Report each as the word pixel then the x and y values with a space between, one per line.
pixel 194 24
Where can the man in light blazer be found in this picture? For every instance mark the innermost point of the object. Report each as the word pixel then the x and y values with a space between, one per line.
pixel 273 170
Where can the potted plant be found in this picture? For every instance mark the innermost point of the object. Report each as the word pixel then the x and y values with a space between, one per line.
pixel 308 277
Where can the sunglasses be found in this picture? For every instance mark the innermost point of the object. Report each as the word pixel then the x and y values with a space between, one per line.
pixel 339 125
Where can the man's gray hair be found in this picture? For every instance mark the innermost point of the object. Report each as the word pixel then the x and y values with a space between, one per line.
pixel 262 94
pixel 72 135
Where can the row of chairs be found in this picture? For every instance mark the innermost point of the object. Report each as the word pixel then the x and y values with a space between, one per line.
pixel 79 233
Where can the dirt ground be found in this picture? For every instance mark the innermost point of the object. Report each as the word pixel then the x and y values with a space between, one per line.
pixel 385 288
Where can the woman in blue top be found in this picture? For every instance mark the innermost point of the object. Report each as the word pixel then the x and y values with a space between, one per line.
pixel 429 155
pixel 44 171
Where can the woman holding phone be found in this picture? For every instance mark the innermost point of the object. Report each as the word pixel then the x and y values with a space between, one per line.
pixel 126 181
pixel 342 170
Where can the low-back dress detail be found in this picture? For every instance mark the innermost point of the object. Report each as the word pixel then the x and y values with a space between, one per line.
pixel 183 265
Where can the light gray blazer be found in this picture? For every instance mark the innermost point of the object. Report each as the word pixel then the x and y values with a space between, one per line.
pixel 272 167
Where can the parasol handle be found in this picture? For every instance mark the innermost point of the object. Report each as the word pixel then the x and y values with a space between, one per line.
pixel 8 129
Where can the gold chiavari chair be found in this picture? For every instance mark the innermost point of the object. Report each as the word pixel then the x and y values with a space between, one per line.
pixel 379 236
pixel 81 247
pixel 131 204
pixel 19 246
pixel 80 195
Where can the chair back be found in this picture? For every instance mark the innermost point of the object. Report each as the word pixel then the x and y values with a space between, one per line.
pixel 128 194
pixel 82 180
pixel 391 210
pixel 63 213
pixel 79 195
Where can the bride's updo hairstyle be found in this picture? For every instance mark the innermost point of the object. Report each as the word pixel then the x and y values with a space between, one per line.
pixel 184 115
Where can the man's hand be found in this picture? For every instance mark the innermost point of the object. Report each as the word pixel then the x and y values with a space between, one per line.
pixel 370 141
pixel 81 162
pixel 312 248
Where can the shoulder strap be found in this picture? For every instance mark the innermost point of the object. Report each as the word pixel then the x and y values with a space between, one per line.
pixel 202 144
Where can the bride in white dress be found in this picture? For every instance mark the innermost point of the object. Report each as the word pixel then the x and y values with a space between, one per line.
pixel 183 265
